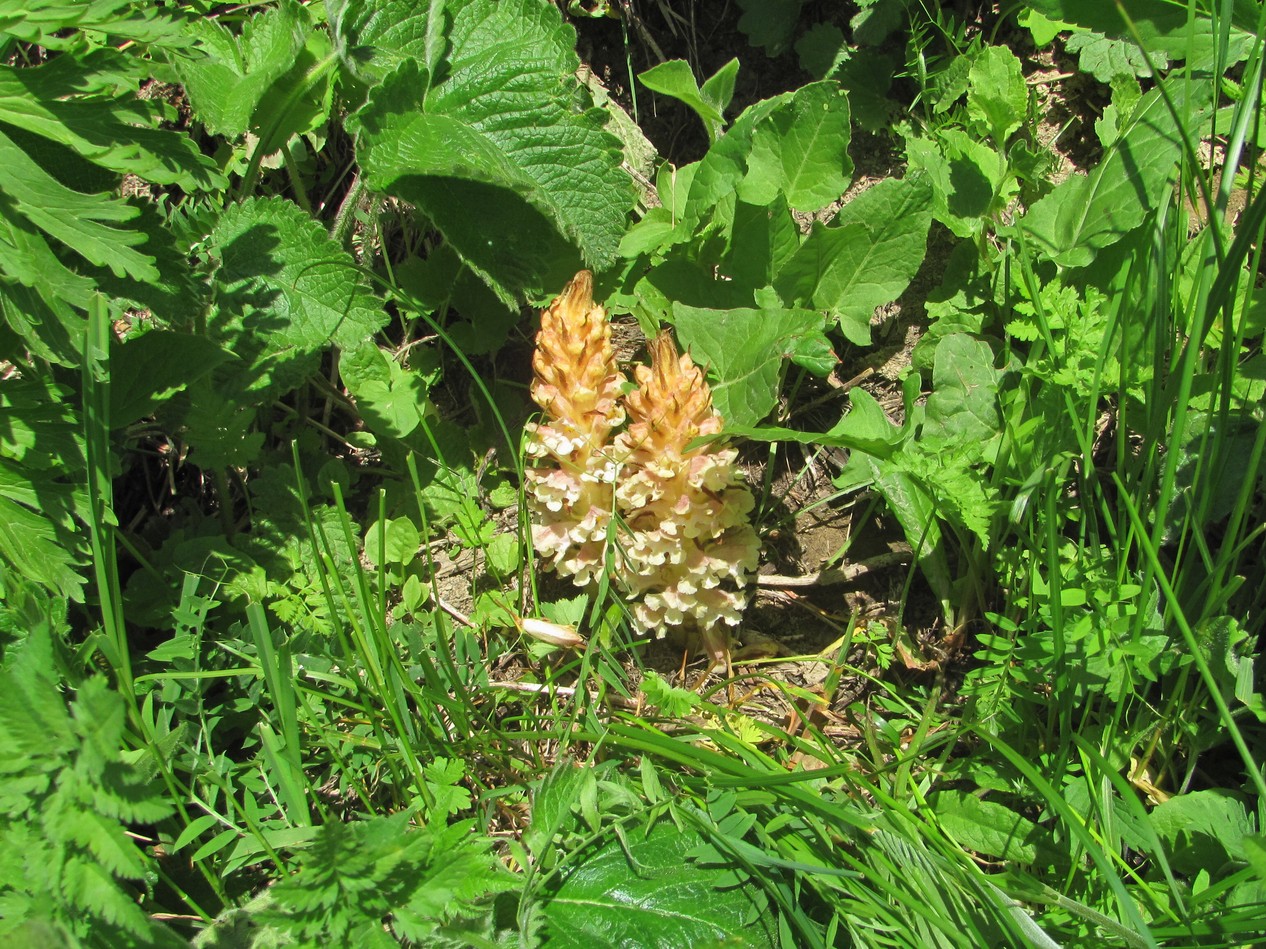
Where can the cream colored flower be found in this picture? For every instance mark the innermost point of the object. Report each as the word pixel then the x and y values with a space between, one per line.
pixel 577 385
pixel 686 547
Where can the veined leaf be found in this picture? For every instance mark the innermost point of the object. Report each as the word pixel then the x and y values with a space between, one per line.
pixel 744 350
pixel 866 259
pixel 110 127
pixel 244 83
pixel 285 290
pixel 1084 214
pixel 54 23
pixel 801 150
pixel 81 221
pixel 1160 25
pixel 490 144
pixel 642 891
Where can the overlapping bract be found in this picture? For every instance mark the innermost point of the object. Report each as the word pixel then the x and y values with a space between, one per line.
pixel 577 386
pixel 684 547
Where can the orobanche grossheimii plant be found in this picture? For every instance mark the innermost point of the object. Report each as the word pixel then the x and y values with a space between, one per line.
pixel 661 504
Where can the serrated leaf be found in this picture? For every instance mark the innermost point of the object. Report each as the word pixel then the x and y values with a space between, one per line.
pixel 744 351
pixel 260 80
pixel 1085 214
pixel 1105 58
pixel 70 100
pixel 31 543
pixel 83 222
pixel 864 260
pixel 801 150
pixel 391 398
pixel 285 291
pixel 822 49
pixel 150 368
pixel 552 805
pixel 503 553
pixel 494 153
pixel 643 891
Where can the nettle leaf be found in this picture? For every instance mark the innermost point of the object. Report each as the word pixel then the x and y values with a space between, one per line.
pixel 865 259
pixel 490 144
pixel 1085 214
pixel 147 370
pixel 801 150
pixel 285 290
pixel 643 891
pixel 997 95
pixel 251 82
pixel 744 350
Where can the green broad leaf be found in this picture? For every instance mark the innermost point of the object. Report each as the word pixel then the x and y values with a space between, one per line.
pixel 744 350
pixel 148 369
pixel 391 398
pixel 1041 28
pixel 676 80
pixel 866 428
pixel 1203 829
pixel 74 102
pixel 1105 58
pixel 86 223
pixel 285 291
pixel 715 177
pixel 504 554
pixel 915 509
pixel 489 143
pixel 762 240
pixel 822 49
pixel 966 176
pixel 770 24
pixel 987 827
pixel 398 539
pixel 1085 214
pixel 962 411
pixel 262 80
pixel 801 150
pixel 997 96
pixel 1161 26
pixel 866 259
pixel 642 891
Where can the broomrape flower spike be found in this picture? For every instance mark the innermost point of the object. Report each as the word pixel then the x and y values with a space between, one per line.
pixel 577 385
pixel 687 547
